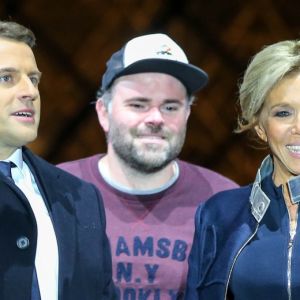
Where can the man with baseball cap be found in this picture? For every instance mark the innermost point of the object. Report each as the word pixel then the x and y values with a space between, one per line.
pixel 150 196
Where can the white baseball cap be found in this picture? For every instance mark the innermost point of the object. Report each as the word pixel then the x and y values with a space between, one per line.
pixel 153 53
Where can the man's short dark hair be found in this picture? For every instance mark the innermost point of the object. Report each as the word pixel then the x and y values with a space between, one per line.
pixel 17 32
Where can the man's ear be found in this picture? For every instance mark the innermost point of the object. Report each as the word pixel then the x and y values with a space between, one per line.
pixel 102 115
pixel 260 131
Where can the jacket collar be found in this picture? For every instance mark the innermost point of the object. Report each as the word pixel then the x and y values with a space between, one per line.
pixel 294 189
pixel 259 200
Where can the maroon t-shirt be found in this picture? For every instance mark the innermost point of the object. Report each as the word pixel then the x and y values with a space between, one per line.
pixel 151 235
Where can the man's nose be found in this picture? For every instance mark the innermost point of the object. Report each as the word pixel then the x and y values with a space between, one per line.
pixel 154 116
pixel 27 90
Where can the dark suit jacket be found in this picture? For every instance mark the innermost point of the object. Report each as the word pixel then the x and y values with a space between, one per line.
pixel 78 218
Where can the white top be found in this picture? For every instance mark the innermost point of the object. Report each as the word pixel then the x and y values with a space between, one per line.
pixel 46 259
pixel 124 189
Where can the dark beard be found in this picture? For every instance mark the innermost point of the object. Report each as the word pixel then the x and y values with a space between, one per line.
pixel 128 152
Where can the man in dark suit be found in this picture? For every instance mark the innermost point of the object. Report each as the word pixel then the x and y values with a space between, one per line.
pixel 52 225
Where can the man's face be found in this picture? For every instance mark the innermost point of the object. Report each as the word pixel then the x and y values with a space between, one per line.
pixel 19 96
pixel 146 120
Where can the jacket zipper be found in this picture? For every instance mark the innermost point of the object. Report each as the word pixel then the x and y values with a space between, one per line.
pixel 290 253
pixel 236 256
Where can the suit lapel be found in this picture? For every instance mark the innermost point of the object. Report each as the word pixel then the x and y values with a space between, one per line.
pixel 4 182
pixel 60 205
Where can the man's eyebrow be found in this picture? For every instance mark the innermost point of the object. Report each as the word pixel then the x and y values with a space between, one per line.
pixel 38 73
pixel 10 70
pixel 141 99
pixel 145 99
pixel 14 70
pixel 173 100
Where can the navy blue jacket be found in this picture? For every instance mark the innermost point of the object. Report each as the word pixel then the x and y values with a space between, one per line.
pixel 223 227
pixel 78 217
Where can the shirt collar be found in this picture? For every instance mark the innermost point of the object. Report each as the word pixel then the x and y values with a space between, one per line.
pixel 17 158
pixel 126 190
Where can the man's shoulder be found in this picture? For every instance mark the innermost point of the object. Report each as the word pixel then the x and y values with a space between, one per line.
pixel 50 171
pixel 78 162
pixel 200 173
pixel 80 166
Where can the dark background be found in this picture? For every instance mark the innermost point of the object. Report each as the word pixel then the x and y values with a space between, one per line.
pixel 75 38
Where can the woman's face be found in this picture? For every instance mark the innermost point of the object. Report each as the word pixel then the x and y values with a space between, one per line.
pixel 279 126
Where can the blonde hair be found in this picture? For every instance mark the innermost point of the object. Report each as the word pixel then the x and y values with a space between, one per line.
pixel 265 70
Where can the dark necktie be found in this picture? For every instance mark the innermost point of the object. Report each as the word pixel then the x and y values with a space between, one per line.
pixel 5 169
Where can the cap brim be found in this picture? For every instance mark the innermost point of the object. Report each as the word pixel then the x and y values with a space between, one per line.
pixel 192 77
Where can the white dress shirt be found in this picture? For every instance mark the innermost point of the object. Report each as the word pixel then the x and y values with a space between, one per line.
pixel 46 259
